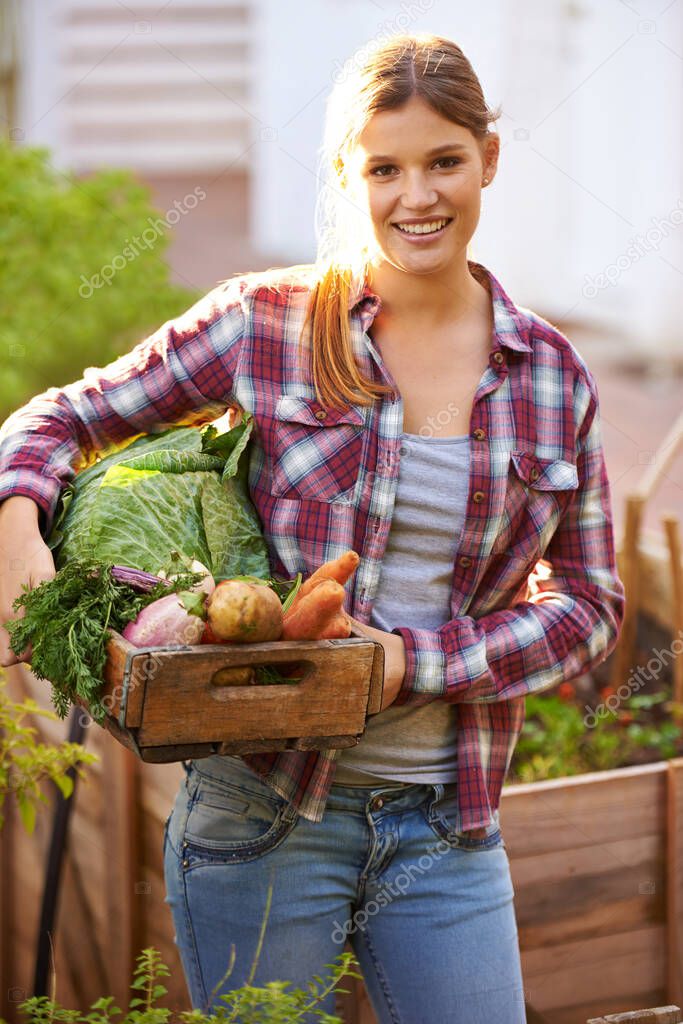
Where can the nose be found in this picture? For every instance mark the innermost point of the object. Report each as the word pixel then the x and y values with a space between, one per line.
pixel 418 194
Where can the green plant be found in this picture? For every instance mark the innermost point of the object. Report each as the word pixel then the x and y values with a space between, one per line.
pixel 58 233
pixel 272 1004
pixel 555 740
pixel 24 763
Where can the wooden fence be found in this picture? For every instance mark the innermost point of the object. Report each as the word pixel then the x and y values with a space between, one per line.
pixel 596 863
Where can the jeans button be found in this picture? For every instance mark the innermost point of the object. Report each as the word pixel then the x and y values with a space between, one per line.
pixel 377 804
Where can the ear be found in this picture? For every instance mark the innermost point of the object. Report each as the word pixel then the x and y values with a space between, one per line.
pixel 490 150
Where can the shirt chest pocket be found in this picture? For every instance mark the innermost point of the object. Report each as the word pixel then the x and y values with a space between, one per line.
pixel 537 494
pixel 316 451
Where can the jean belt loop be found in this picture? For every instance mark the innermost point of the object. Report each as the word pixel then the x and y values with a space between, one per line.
pixel 437 794
pixel 290 813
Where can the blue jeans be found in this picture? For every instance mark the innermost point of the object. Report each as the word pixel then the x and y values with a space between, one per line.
pixel 428 912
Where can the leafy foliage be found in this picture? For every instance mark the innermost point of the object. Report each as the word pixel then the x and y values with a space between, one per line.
pixel 182 489
pixel 556 741
pixel 275 1003
pixel 25 763
pixel 57 230
pixel 66 620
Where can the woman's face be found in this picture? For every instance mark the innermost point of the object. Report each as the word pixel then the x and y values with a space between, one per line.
pixel 396 175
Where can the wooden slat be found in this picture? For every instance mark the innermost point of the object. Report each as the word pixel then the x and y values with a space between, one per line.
pixel 569 813
pixel 121 832
pixel 672 531
pixel 654 1015
pixel 181 706
pixel 623 658
pixel 674 880
pixel 624 978
pixel 8 946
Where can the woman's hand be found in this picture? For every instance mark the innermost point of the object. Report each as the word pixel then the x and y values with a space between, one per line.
pixel 394 659
pixel 24 559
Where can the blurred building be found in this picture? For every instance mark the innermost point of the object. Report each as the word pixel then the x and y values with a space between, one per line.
pixel 584 222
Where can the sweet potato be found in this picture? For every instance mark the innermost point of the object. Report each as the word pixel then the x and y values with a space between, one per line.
pixel 312 615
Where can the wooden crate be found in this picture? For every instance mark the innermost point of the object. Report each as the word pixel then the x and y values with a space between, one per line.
pixel 169 704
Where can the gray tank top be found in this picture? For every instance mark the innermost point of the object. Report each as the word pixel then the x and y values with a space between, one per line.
pixel 416 744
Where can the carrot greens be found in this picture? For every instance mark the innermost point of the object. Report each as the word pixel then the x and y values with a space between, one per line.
pixel 67 621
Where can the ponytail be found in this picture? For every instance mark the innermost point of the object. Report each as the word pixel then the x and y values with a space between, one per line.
pixel 336 376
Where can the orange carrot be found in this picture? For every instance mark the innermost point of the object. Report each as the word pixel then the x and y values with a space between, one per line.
pixel 338 628
pixel 340 569
pixel 312 614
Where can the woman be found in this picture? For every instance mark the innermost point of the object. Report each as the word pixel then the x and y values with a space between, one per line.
pixel 407 409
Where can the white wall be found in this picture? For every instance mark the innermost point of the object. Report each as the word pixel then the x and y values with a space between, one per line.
pixel 591 129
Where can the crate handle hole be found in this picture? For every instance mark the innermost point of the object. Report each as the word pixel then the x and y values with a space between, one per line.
pixel 277 673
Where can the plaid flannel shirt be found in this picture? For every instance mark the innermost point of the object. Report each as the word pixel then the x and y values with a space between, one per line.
pixel 536 598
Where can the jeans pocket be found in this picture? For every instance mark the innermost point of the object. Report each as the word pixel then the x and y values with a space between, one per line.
pixel 235 821
pixel 443 817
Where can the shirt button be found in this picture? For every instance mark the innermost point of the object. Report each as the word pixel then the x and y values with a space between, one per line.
pixel 377 804
pixel 321 414
pixel 465 561
pixel 534 474
pixel 498 357
pixel 403 450
pixel 479 434
pixel 375 526
pixel 478 496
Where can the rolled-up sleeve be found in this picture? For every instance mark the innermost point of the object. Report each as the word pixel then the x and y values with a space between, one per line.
pixel 181 374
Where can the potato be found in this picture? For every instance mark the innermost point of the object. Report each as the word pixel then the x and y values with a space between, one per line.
pixel 244 613
pixel 236 675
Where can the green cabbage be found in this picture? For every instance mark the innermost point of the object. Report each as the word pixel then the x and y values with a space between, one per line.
pixel 182 490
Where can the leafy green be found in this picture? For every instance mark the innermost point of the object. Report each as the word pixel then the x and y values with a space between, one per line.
pixel 66 620
pixel 181 490
pixel 60 234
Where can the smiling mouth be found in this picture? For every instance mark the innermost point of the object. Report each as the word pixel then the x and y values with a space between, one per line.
pixel 418 235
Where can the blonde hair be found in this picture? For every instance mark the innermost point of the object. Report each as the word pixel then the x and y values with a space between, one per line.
pixel 423 65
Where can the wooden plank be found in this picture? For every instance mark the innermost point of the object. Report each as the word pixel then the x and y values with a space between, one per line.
pixel 624 654
pixel 655 1015
pixel 592 921
pixel 560 865
pixel 674 880
pixel 182 706
pixel 671 529
pixel 121 833
pixel 87 972
pixel 568 813
pixel 8 944
pixel 664 456
pixel 573 956
pixel 171 699
pixel 579 1014
pixel 624 978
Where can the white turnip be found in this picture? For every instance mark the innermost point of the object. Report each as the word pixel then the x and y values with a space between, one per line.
pixel 164 623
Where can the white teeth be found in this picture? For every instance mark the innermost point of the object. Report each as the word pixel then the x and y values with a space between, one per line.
pixel 422 229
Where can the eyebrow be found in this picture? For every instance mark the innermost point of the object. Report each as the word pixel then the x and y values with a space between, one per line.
pixel 431 152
